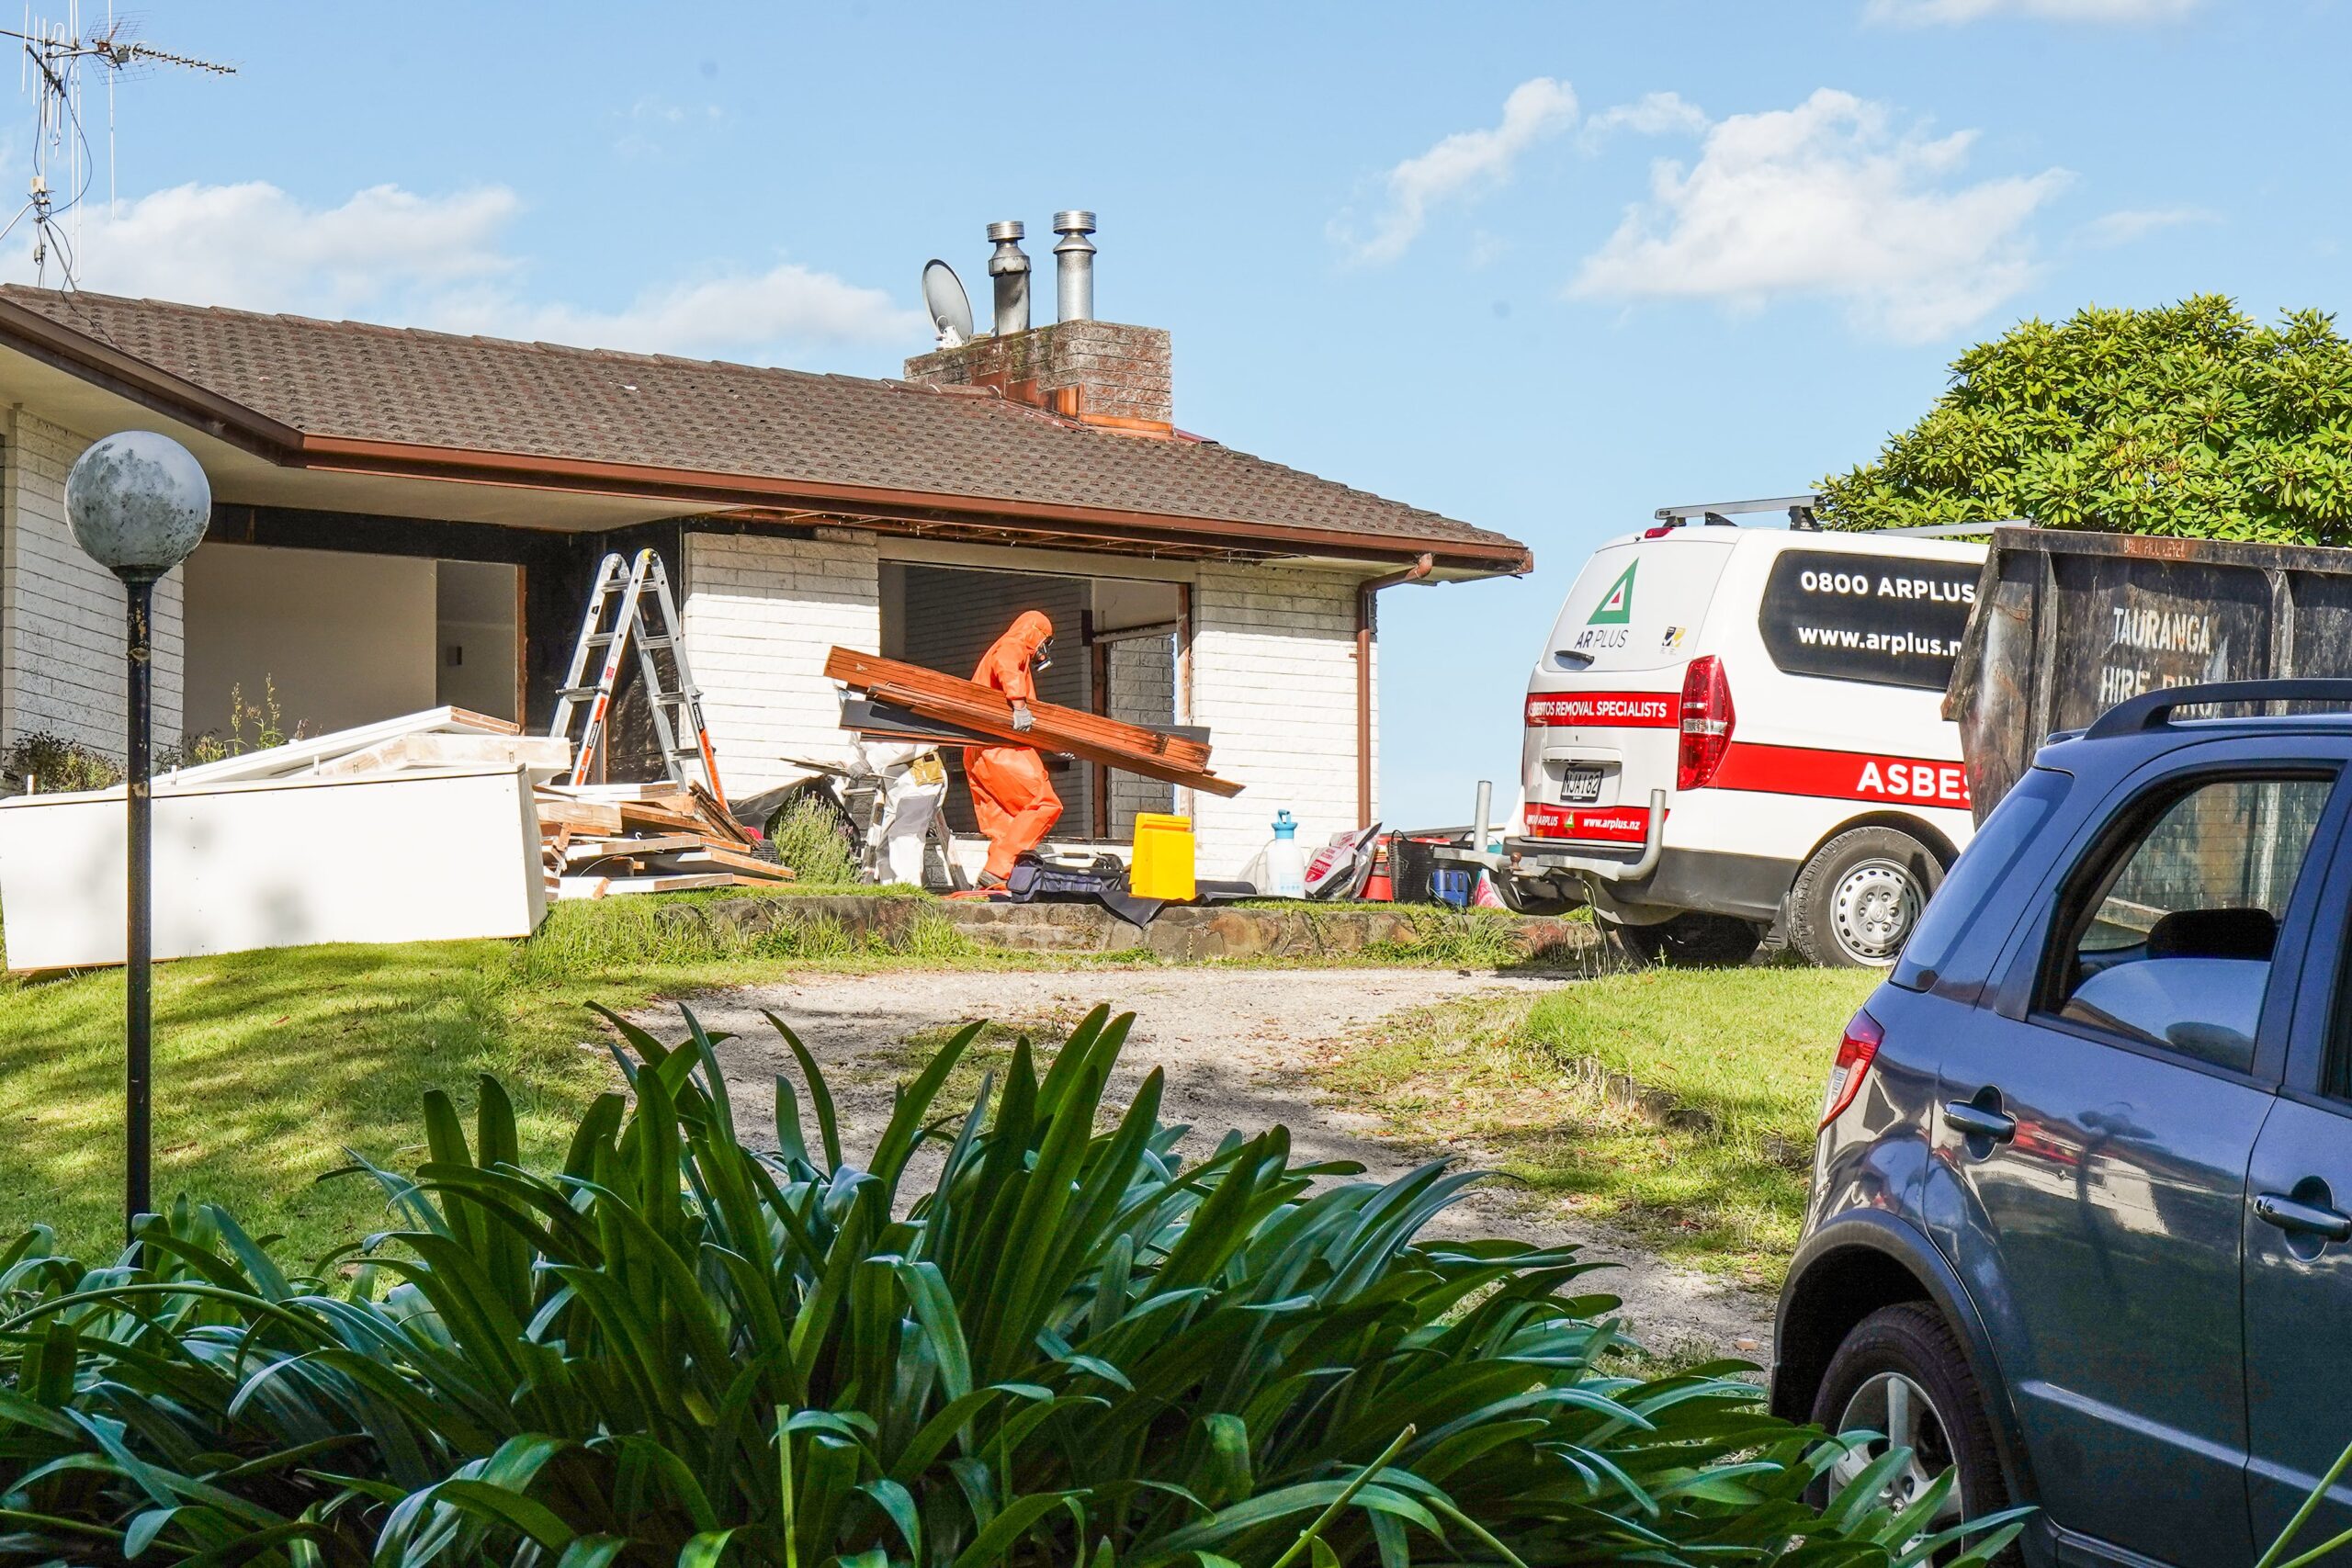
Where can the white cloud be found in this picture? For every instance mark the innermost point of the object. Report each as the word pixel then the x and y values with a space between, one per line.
pixel 1460 166
pixel 253 245
pixel 1827 199
pixel 2137 223
pixel 651 122
pixel 1651 114
pixel 714 317
pixel 1951 12
pixel 392 255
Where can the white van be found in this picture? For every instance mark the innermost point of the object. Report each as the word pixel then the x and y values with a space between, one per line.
pixel 1731 728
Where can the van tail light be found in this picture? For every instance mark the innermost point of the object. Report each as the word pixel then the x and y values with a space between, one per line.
pixel 1856 1052
pixel 1707 719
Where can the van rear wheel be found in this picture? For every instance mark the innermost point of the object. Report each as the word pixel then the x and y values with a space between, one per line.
pixel 1690 941
pixel 1858 899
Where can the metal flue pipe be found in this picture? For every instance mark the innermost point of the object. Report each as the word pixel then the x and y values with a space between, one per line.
pixel 1009 270
pixel 1074 266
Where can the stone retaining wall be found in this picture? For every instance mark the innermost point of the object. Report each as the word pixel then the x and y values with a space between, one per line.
pixel 1183 934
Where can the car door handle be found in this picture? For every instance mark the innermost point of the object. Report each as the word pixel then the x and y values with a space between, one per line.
pixel 2298 1218
pixel 1978 1121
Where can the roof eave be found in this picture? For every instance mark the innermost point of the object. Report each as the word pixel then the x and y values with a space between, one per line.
pixel 868 504
pixel 150 385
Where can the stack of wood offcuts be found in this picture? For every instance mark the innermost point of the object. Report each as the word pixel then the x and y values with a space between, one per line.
pixel 598 841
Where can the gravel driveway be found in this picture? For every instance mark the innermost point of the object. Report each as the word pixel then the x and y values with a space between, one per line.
pixel 1235 1045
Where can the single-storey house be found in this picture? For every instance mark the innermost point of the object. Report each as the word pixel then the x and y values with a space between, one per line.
pixel 406 518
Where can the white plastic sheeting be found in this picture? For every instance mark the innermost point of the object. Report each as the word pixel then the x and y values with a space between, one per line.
pixel 421 855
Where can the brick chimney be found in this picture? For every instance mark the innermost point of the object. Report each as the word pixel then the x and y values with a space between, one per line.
pixel 1094 370
pixel 1100 372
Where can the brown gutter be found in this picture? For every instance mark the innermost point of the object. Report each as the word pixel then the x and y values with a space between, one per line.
pixel 92 360
pixel 341 454
pixel 1364 620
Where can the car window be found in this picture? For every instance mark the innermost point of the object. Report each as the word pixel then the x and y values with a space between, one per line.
pixel 2167 938
pixel 1978 875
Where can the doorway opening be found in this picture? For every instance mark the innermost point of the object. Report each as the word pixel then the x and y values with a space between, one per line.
pixel 1118 652
pixel 339 638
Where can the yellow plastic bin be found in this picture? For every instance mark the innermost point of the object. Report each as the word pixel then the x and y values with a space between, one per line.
pixel 1163 864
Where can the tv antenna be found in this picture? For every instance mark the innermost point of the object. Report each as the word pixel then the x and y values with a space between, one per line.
pixel 54 55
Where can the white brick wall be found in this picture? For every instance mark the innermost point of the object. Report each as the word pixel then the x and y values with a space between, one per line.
pixel 1275 679
pixel 60 613
pixel 760 613
pixel 1273 674
pixel 1143 691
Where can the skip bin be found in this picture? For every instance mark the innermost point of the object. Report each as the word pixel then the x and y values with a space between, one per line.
pixel 2066 625
pixel 1164 862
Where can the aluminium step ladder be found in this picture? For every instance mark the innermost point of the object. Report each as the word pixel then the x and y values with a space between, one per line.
pixel 620 612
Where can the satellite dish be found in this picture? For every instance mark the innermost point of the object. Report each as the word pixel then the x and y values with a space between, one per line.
pixel 950 307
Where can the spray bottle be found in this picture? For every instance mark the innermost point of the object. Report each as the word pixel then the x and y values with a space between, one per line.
pixel 1285 866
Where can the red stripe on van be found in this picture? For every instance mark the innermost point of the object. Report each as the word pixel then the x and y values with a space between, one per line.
pixel 1604 710
pixel 1604 824
pixel 1844 775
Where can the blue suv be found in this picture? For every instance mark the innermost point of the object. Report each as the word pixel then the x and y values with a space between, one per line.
pixel 2081 1222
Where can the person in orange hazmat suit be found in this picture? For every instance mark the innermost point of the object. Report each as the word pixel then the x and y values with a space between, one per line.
pixel 1011 798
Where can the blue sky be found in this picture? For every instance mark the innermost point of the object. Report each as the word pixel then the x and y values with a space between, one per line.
pixel 1542 267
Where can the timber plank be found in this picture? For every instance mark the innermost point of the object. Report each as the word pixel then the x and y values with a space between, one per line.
pixel 705 856
pixel 605 887
pixel 1128 747
pixel 584 851
pixel 857 669
pixel 645 818
pixel 584 817
pixel 718 817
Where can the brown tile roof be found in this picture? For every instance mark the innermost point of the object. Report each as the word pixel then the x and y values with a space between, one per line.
pixel 351 381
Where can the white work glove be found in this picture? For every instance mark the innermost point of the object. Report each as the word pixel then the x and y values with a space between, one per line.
pixel 1023 721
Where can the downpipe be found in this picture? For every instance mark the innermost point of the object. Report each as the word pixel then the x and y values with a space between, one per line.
pixel 1365 622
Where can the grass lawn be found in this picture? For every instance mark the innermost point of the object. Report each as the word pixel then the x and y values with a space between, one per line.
pixel 1712 1171
pixel 269 1064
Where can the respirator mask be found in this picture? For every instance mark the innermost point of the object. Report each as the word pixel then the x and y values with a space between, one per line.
pixel 1043 659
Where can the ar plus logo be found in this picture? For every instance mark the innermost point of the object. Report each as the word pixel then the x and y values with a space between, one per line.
pixel 1616 605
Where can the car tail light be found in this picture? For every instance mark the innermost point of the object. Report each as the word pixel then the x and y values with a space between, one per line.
pixel 1660 532
pixel 1856 1052
pixel 1707 718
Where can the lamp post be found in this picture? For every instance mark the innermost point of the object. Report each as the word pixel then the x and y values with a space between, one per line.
pixel 137 503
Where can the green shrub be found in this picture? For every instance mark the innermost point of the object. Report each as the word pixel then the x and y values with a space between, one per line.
pixel 1071 1349
pixel 53 764
pixel 2191 419
pixel 812 836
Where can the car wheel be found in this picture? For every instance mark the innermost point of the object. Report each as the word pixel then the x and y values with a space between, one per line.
pixel 1858 899
pixel 1689 941
pixel 1902 1376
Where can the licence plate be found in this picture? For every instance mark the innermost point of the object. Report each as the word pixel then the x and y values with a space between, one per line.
pixel 1579 785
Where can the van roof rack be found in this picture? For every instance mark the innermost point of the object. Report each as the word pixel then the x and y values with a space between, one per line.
pixel 1800 509
pixel 1954 530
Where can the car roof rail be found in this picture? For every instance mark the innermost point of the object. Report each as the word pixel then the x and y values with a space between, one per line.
pixel 2154 710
